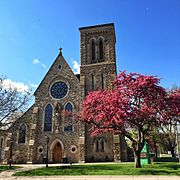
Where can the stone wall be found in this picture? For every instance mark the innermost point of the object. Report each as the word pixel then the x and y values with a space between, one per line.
pixel 68 140
pixel 20 151
pixel 98 74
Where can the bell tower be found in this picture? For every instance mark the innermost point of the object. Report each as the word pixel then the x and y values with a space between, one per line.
pixel 97 71
pixel 98 58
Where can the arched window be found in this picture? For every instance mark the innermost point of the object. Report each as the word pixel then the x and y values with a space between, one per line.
pixel 92 77
pixel 22 134
pixel 69 107
pixel 2 140
pixel 48 118
pixel 102 145
pixel 102 81
pixel 93 51
pixel 100 50
pixel 97 146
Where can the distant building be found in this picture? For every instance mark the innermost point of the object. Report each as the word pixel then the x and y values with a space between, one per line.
pixel 61 89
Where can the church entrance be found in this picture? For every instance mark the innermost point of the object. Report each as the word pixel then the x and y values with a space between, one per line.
pixel 57 153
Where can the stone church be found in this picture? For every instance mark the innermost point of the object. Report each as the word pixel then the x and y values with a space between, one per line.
pixel 44 127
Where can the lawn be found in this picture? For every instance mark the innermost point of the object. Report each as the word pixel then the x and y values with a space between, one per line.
pixel 4 168
pixel 105 169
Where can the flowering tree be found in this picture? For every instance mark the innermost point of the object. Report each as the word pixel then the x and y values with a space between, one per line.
pixel 165 136
pixel 131 109
pixel 171 112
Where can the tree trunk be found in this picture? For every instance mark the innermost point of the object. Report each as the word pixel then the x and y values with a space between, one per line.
pixel 155 148
pixel 137 147
pixel 137 160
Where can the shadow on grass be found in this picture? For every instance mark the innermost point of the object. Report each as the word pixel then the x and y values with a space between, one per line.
pixel 172 166
pixel 159 172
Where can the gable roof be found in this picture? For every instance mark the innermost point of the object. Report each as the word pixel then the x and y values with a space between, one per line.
pixel 59 59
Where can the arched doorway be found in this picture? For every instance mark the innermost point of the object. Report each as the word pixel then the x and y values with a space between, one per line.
pixel 57 153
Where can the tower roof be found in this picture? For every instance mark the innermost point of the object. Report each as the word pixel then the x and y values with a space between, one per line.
pixel 100 27
pixel 96 26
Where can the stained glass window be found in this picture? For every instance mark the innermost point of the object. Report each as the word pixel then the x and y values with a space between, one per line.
pixel 22 134
pixel 48 118
pixel 69 107
pixel 59 89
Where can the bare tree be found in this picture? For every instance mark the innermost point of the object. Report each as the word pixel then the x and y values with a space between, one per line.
pixel 12 103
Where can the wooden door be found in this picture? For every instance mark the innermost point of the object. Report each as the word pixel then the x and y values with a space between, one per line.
pixel 57 153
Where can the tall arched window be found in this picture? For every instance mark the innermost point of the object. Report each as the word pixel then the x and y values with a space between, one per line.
pixel 2 140
pixel 97 146
pixel 102 81
pixel 100 50
pixel 92 80
pixel 102 145
pixel 22 134
pixel 69 107
pixel 48 118
pixel 93 51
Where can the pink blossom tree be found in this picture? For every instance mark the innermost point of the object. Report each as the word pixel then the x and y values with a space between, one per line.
pixel 136 103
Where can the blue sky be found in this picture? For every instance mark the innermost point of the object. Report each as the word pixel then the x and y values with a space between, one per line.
pixel 31 32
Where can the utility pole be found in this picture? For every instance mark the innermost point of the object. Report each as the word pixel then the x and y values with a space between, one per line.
pixel 47 142
pixel 10 154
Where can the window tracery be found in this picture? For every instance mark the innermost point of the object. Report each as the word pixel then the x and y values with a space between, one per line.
pixel 48 118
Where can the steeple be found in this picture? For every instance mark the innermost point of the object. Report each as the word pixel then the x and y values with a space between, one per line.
pixel 98 44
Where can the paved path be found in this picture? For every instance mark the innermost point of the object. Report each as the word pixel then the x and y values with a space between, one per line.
pixel 7 175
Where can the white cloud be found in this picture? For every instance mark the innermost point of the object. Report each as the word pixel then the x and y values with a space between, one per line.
pixel 33 85
pixel 43 65
pixel 21 87
pixel 76 67
pixel 36 61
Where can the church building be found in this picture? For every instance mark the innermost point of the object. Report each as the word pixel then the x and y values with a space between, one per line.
pixel 44 127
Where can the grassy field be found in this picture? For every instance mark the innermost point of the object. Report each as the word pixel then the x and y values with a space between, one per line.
pixel 106 169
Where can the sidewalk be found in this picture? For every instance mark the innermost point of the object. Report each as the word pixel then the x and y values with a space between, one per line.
pixel 7 175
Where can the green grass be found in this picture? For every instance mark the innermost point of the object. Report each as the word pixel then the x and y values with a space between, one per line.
pixel 105 169
pixel 5 168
